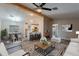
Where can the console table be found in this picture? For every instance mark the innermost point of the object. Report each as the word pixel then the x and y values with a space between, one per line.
pixel 35 36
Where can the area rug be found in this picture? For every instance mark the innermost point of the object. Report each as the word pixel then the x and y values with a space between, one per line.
pixel 58 51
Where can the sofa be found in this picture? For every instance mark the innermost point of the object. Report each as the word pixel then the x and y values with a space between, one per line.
pixel 73 48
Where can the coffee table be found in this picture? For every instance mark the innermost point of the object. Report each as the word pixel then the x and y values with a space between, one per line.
pixel 43 49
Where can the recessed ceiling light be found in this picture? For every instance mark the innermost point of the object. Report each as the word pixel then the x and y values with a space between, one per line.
pixel 31 14
pixel 39 10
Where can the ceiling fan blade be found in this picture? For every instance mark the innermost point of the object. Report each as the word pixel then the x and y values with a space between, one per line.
pixel 42 4
pixel 46 9
pixel 55 8
pixel 35 5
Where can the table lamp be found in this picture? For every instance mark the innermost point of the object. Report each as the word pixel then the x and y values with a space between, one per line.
pixel 77 32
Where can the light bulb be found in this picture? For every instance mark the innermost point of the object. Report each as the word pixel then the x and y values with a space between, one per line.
pixel 39 10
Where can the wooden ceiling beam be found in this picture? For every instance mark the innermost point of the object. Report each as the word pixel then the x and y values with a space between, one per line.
pixel 23 7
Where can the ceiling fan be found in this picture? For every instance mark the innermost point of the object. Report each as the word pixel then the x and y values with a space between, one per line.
pixel 40 6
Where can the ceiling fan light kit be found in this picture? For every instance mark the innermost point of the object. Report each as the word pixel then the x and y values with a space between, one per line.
pixel 39 10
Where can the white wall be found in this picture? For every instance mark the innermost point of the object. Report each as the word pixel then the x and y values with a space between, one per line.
pixel 7 9
pixel 6 23
pixel 35 20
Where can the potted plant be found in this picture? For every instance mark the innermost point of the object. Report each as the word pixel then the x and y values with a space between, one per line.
pixel 44 41
pixel 3 33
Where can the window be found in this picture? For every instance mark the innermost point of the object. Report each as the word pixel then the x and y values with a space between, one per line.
pixel 14 28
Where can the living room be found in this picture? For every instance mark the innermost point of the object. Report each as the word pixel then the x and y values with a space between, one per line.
pixel 31 32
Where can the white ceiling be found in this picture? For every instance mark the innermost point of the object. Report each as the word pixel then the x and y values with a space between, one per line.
pixel 8 9
pixel 65 10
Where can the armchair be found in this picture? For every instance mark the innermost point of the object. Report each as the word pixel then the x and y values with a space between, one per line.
pixel 3 51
